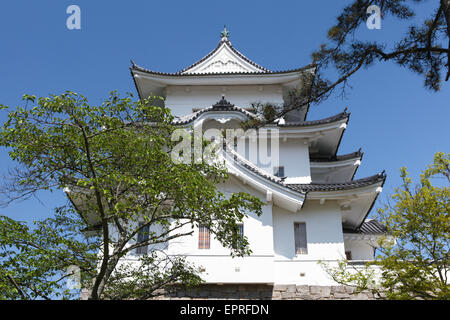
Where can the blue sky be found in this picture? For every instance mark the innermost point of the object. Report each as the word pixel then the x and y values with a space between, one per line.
pixel 394 119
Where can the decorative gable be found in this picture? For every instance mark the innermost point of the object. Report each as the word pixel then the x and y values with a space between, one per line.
pixel 224 59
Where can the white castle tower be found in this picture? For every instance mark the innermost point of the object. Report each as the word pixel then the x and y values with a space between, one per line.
pixel 314 208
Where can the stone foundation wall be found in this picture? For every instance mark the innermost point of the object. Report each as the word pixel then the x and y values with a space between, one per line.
pixel 267 292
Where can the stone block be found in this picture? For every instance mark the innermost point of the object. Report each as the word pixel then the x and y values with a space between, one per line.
pixel 339 295
pixel 287 295
pixel 291 288
pixel 359 296
pixel 276 295
pixel 314 289
pixel 280 287
pixel 338 289
pixel 325 291
pixel 350 289
pixel 302 289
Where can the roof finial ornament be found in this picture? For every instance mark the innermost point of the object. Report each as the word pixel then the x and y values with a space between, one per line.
pixel 223 104
pixel 225 33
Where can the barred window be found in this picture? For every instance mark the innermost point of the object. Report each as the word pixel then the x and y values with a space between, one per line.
pixel 241 233
pixel 300 238
pixel 240 236
pixel 142 236
pixel 241 230
pixel 203 237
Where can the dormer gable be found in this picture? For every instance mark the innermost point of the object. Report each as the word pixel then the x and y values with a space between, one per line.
pixel 224 59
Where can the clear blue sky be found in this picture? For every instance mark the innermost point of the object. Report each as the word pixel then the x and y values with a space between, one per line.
pixel 394 119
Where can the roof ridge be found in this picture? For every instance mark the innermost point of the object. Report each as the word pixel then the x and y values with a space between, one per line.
pixel 222 105
pixel 342 115
pixel 202 59
pixel 368 227
pixel 245 58
pixel 375 177
pixel 237 52
pixel 324 186
pixel 142 69
pixel 231 107
pixel 236 157
pixel 347 156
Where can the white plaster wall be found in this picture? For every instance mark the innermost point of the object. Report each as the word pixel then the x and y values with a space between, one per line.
pixel 302 273
pixel 361 249
pixel 324 242
pixel 294 156
pixel 224 269
pixel 258 230
pixel 218 264
pixel 332 174
pixel 263 152
pixel 157 229
pixel 271 238
pixel 182 99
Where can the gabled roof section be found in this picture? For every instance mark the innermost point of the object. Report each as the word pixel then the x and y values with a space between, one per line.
pixel 224 59
pixel 222 105
pixel 370 226
pixel 275 189
pixel 354 155
pixel 356 198
pixel 337 117
pixel 335 168
pixel 353 184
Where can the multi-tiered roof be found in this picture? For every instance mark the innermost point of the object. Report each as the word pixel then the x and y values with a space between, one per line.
pixel 332 175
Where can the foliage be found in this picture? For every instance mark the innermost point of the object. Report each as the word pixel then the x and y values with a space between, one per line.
pixel 34 262
pixel 114 163
pixel 416 267
pixel 143 279
pixel 424 50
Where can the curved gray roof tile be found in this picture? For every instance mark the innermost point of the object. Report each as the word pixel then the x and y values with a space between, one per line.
pixel 339 116
pixel 353 184
pixel 348 156
pixel 369 227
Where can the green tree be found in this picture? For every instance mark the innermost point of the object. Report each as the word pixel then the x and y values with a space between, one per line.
pixel 417 266
pixel 34 261
pixel 114 162
pixel 424 49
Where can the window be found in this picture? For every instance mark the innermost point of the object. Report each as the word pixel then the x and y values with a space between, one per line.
pixel 348 255
pixel 300 238
pixel 240 235
pixel 241 230
pixel 278 172
pixel 203 237
pixel 142 236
